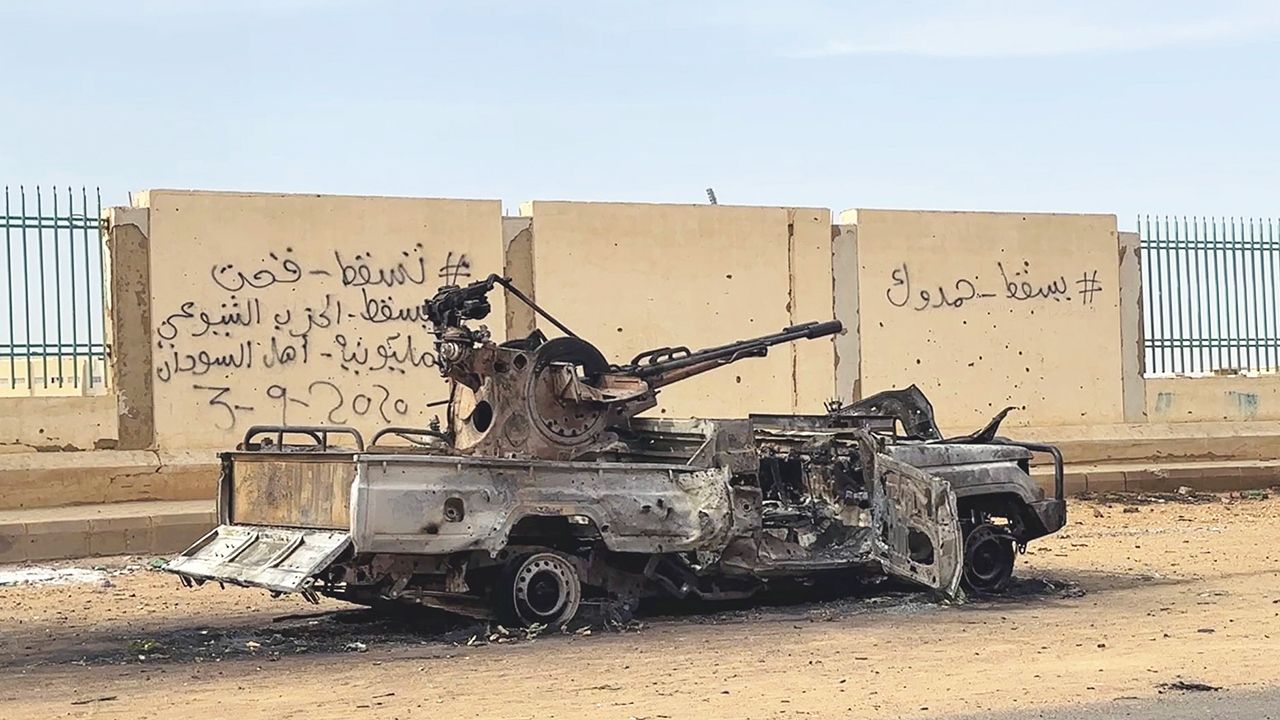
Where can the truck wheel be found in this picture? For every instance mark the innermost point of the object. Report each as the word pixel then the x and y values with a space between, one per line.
pixel 541 588
pixel 988 559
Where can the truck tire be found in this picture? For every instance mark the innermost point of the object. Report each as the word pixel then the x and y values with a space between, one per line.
pixel 988 559
pixel 541 588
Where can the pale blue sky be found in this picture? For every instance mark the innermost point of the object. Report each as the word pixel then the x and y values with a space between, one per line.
pixel 1121 107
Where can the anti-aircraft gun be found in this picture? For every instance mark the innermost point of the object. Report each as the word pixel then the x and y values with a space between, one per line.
pixel 557 399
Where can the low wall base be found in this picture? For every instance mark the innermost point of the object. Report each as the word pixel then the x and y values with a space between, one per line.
pixel 57 479
pixel 132 528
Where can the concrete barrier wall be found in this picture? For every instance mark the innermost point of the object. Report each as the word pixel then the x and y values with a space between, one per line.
pixel 58 423
pixel 302 309
pixel 631 277
pixel 233 309
pixel 1215 398
pixel 260 308
pixel 988 310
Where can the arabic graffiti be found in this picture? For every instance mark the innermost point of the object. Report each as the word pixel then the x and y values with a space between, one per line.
pixel 281 339
pixel 411 269
pixel 230 279
pixel 1017 283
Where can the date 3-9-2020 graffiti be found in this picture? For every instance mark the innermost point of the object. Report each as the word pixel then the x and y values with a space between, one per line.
pixel 321 397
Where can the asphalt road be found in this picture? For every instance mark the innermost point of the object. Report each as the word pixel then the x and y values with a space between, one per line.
pixel 1220 705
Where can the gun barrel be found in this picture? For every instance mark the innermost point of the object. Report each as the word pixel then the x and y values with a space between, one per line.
pixel 655 364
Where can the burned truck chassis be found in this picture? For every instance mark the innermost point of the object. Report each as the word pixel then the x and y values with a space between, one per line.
pixel 787 492
pixel 800 513
pixel 544 484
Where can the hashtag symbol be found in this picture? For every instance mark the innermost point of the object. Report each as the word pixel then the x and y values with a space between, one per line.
pixel 1089 286
pixel 453 269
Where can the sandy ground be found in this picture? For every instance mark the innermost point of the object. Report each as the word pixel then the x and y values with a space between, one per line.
pixel 1127 598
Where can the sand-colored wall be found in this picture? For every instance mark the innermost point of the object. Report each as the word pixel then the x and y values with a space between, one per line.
pixel 631 277
pixel 57 423
pixel 303 308
pixel 1213 398
pixel 987 310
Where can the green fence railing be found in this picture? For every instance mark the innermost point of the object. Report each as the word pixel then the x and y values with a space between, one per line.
pixel 1211 287
pixel 52 296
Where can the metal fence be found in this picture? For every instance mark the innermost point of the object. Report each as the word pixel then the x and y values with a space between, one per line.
pixel 1210 294
pixel 52 301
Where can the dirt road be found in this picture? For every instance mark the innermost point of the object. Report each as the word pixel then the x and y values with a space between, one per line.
pixel 1127 598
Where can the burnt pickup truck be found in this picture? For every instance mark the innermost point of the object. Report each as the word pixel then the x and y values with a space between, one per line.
pixel 544 493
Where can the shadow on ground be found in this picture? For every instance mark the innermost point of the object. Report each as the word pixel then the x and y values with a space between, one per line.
pixel 260 638
pixel 265 638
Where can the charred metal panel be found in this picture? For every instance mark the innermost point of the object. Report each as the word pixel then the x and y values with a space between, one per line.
pixel 973 469
pixel 279 559
pixel 697 443
pixel 918 531
pixel 438 505
pixel 291 491
pixel 908 406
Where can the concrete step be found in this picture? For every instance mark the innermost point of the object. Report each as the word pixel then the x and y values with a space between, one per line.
pixel 55 479
pixel 1162 476
pixel 126 528
pixel 1159 443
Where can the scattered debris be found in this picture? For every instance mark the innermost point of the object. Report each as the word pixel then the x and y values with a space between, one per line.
pixel 1035 587
pixel 40 575
pixel 1186 686
pixel 143 646
pixel 104 698
pixel 1185 495
pixel 301 616
pixel 1250 495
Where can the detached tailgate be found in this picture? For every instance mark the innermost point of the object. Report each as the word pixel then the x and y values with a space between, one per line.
pixel 286 516
pixel 279 559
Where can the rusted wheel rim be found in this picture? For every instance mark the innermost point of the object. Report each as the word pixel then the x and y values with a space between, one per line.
pixel 546 590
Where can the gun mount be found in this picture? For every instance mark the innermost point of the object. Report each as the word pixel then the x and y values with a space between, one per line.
pixel 557 399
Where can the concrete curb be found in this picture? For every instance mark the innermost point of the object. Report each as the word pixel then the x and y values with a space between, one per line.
pixel 42 480
pixel 132 528
pixel 1164 477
